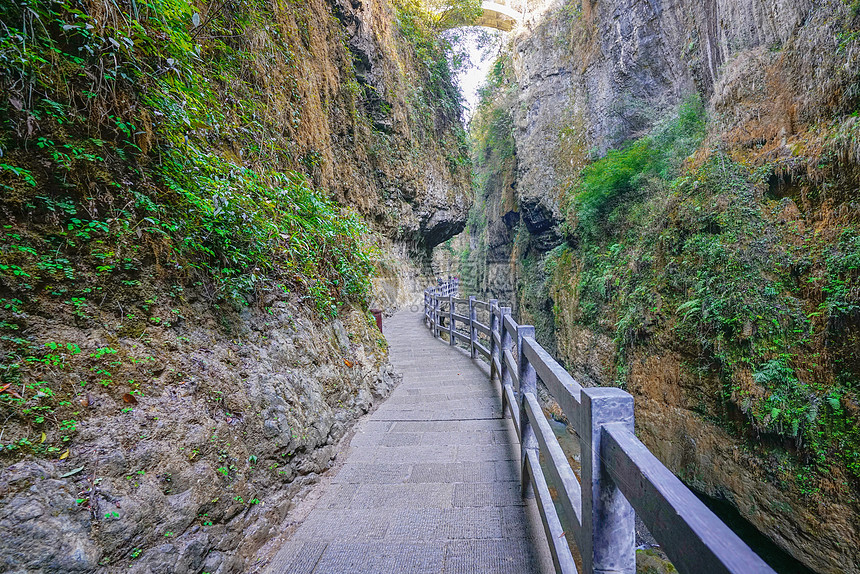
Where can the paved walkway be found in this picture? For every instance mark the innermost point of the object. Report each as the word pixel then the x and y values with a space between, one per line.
pixel 431 479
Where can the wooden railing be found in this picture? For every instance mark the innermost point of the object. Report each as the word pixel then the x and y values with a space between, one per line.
pixel 618 474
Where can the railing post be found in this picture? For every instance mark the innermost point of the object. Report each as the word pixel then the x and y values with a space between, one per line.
pixel 605 511
pixel 494 328
pixel 436 314
pixel 451 340
pixel 528 384
pixel 431 320
pixel 473 332
pixel 507 343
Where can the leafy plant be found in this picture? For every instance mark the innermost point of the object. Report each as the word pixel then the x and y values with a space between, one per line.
pixel 660 154
pixel 763 314
pixel 242 224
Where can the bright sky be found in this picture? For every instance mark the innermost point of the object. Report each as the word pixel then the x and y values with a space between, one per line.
pixel 482 58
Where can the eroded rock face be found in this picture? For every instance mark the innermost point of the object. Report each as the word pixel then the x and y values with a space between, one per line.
pixel 591 76
pixel 820 532
pixel 216 417
pixel 196 472
pixel 440 215
pixel 543 97
pixel 389 153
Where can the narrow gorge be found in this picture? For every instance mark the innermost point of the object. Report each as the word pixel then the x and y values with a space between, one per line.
pixel 202 204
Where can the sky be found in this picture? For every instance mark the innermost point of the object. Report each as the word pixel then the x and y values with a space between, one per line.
pixel 481 58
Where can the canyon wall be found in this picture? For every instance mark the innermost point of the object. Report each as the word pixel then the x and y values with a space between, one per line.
pixel 676 213
pixel 193 199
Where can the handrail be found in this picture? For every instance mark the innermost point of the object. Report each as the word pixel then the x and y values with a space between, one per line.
pixel 618 472
pixel 460 318
pixel 483 350
pixel 511 326
pixel 511 364
pixel 481 328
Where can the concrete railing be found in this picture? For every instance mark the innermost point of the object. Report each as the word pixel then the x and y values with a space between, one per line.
pixel 618 474
pixel 500 15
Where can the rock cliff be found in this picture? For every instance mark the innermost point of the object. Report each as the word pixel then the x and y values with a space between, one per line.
pixel 193 200
pixel 679 208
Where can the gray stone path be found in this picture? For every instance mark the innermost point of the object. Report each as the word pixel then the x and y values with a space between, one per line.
pixel 431 480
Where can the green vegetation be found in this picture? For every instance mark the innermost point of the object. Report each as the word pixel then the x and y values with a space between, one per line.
pixel 492 126
pixel 119 156
pixel 422 22
pixel 122 109
pixel 493 158
pixel 446 14
pixel 605 182
pixel 764 309
pixel 652 561
pixel 155 152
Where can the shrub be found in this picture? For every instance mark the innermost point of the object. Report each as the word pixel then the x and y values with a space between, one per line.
pixel 164 125
pixel 660 154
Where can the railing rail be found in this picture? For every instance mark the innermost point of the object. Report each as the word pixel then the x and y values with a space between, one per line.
pixel 618 472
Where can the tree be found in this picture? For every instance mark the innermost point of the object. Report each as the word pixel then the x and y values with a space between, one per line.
pixel 448 14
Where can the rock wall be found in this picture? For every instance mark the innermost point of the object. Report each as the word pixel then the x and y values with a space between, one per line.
pixel 152 421
pixel 779 84
pixel 399 169
pixel 591 75
pixel 234 413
